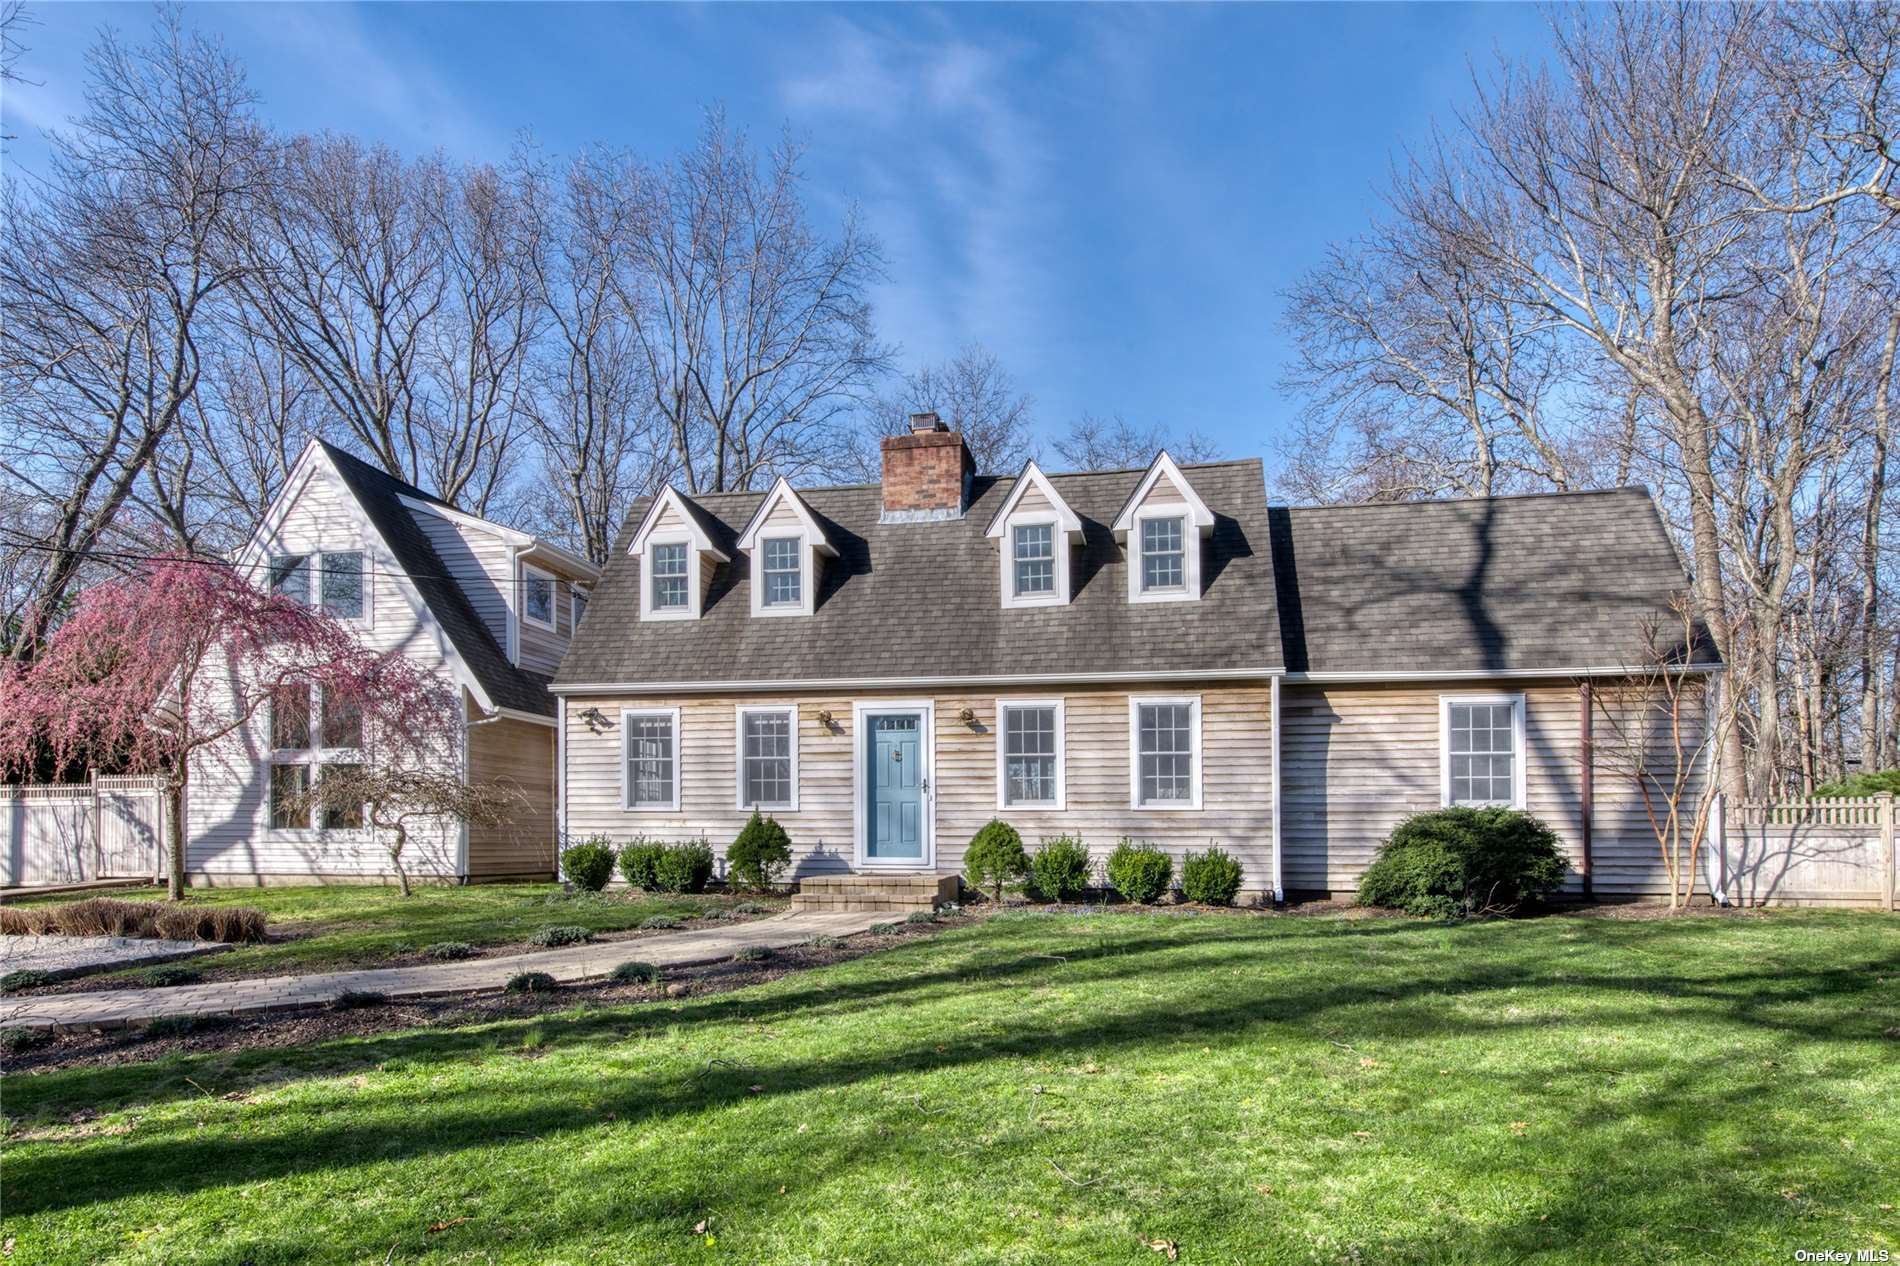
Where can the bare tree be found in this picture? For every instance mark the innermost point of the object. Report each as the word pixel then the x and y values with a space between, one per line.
pixel 393 800
pixel 1093 442
pixel 974 394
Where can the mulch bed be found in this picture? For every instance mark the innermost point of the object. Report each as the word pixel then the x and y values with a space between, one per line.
pixel 82 1048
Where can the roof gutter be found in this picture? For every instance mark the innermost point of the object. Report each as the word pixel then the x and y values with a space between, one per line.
pixel 1493 674
pixel 858 684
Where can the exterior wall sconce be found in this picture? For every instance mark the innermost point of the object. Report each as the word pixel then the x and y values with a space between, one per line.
pixel 967 716
pixel 824 719
pixel 596 719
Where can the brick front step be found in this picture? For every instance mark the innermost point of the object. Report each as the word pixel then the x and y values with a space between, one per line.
pixel 855 893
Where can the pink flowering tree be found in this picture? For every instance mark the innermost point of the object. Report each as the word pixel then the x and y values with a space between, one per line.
pixel 150 671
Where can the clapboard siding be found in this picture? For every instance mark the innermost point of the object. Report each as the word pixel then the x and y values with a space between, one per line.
pixel 521 755
pixel 1236 797
pixel 227 819
pixel 1357 759
pixel 540 650
pixel 479 561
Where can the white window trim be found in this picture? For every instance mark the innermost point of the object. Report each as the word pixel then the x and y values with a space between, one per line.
pixel 552 623
pixel 1061 543
pixel 1135 704
pixel 1518 741
pixel 1061 802
pixel 807 573
pixel 694 562
pixel 1190 548
pixel 314 758
pixel 626 760
pixel 315 554
pixel 787 710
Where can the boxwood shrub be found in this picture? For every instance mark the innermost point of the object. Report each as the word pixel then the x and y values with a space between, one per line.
pixel 1211 878
pixel 1060 867
pixel 1450 863
pixel 638 861
pixel 554 937
pixel 995 858
pixel 1140 872
pixel 683 867
pixel 589 864
pixel 760 854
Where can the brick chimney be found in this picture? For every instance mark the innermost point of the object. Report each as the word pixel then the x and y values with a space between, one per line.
pixel 926 473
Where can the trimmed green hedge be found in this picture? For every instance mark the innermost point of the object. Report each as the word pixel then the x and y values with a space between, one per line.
pixel 1140 872
pixel 1450 863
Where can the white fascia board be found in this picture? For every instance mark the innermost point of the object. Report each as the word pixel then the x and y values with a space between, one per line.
pixel 859 684
pixel 529 544
pixel 670 496
pixel 783 491
pixel 1032 476
pixel 1484 674
pixel 1164 465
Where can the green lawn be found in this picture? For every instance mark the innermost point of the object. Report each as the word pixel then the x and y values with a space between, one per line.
pixel 357 925
pixel 1051 1088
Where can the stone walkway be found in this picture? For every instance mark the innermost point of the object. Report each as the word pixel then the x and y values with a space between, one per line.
pixel 114 1007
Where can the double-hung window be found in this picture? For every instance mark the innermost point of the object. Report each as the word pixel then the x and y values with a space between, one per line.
pixel 1482 749
pixel 1033 549
pixel 1163 555
pixel 1029 754
pixel 309 745
pixel 669 576
pixel 1165 741
pixel 768 758
pixel 537 597
pixel 651 757
pixel 783 574
pixel 338 581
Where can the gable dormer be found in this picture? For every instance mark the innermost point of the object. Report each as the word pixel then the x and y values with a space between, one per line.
pixel 785 546
pixel 677 556
pixel 1036 535
pixel 1163 528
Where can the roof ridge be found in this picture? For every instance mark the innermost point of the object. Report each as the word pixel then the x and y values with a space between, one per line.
pixel 1552 494
pixel 999 477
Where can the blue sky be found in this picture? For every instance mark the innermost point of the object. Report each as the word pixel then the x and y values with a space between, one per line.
pixel 1111 198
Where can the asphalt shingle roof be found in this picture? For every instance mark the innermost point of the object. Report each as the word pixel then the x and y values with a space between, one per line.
pixel 924 600
pixel 1556 581
pixel 380 493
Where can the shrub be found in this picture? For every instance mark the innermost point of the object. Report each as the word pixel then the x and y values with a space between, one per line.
pixel 229 924
pixel 638 860
pixel 751 954
pixel 1454 862
pixel 749 907
pixel 920 916
pixel 636 974
pixel 19 1041
pixel 1139 872
pixel 826 942
pixel 355 999
pixel 448 951
pixel 532 982
pixel 1872 783
pixel 658 923
pixel 552 937
pixel 995 857
pixel 589 864
pixel 760 854
pixel 884 929
pixel 1060 868
pixel 683 867
pixel 183 1025
pixel 1211 878
pixel 25 978
pixel 165 977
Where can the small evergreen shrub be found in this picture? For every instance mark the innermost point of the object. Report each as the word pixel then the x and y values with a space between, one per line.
pixel 448 951
pixel 1450 863
pixel 1872 783
pixel 356 999
pixel 885 929
pixel 658 923
pixel 920 916
pixel 554 937
pixel 589 864
pixel 760 854
pixel 995 858
pixel 18 1041
pixel 532 982
pixel 683 867
pixel 25 978
pixel 750 907
pixel 167 1026
pixel 165 977
pixel 826 942
pixel 638 861
pixel 1211 878
pixel 1060 868
pixel 1140 872
pixel 751 954
pixel 637 974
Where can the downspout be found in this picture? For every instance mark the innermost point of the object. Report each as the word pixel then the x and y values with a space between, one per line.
pixel 1586 783
pixel 1717 850
pixel 511 598
pixel 1273 710
pixel 560 777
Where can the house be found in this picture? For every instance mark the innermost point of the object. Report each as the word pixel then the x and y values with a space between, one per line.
pixel 491 608
pixel 1150 653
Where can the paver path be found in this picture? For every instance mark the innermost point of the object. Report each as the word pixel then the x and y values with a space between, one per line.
pixel 105 1008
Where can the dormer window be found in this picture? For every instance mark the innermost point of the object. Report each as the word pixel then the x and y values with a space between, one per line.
pixel 1163 527
pixel 1035 532
pixel 669 576
pixel 677 556
pixel 783 572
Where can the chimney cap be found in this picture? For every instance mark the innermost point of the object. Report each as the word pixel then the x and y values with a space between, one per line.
pixel 925 423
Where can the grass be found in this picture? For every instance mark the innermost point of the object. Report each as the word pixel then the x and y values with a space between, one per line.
pixel 356 925
pixel 1050 1088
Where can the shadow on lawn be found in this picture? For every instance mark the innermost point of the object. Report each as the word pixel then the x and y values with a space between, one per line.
pixel 1402 996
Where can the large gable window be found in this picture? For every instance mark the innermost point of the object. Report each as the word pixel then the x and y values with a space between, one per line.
pixel 669 576
pixel 1481 745
pixel 768 758
pixel 1165 752
pixel 306 744
pixel 338 581
pixel 783 571
pixel 651 758
pixel 1163 555
pixel 1029 754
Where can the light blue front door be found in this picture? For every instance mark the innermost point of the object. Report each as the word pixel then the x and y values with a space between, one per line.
pixel 894 788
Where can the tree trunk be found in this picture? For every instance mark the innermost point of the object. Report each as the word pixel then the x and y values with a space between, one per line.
pixel 1870 733
pixel 175 838
pixel 395 855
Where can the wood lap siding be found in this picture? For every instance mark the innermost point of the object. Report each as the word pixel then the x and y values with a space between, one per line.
pixel 479 563
pixel 522 755
pixel 1355 760
pixel 1236 755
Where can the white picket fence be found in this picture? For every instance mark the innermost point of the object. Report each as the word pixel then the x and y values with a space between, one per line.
pixel 109 828
pixel 1810 852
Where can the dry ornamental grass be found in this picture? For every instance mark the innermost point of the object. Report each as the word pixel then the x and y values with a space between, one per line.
pixel 104 916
